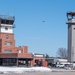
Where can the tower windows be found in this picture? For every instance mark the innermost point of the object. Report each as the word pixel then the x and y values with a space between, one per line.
pixel 3 21
pixel 7 21
pixel 11 21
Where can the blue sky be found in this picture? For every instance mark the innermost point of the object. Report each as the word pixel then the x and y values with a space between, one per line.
pixel 40 37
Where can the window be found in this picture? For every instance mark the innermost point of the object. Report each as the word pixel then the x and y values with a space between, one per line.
pixel 3 21
pixel 6 28
pixel 7 36
pixel 8 43
pixel 7 51
pixel 7 21
pixel 11 21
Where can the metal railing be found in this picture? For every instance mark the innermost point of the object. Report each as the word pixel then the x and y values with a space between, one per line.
pixel 7 17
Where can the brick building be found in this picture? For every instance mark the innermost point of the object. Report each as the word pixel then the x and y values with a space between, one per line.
pixel 9 54
pixel 39 60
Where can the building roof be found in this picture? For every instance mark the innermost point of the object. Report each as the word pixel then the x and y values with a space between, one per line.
pixel 7 17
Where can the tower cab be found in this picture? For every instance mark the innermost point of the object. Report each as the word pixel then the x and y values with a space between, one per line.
pixel 6 24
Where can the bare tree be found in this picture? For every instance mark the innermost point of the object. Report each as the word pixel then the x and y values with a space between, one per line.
pixel 62 53
pixel 46 56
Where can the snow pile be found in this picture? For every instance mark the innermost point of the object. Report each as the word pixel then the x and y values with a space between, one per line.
pixel 23 69
pixel 10 70
pixel 41 69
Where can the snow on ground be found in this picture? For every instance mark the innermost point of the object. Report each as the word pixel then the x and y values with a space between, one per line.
pixel 41 69
pixel 23 69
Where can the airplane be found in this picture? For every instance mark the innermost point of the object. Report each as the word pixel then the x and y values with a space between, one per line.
pixel 43 21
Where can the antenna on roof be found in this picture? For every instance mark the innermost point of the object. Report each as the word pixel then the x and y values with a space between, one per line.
pixel 70 15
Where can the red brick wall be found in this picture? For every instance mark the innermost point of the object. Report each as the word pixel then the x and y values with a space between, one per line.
pixel 25 48
pixel 25 55
pixel 14 49
pixel 0 45
pixel 3 35
pixel 8 55
pixel 15 55
pixel 17 48
pixel 10 39
pixel 45 63
pixel 37 58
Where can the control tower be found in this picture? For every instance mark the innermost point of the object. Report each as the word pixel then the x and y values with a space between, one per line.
pixel 71 36
pixel 7 42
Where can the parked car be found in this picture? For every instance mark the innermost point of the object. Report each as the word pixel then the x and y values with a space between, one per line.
pixel 73 65
pixel 60 65
pixel 68 66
